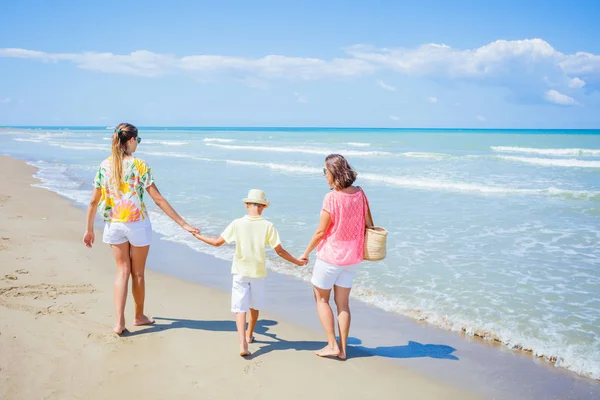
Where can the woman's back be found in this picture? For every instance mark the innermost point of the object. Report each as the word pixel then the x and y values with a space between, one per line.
pixel 344 240
pixel 123 202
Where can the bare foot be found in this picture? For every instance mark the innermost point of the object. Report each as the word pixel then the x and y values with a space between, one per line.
pixel 119 327
pixel 244 351
pixel 143 321
pixel 249 339
pixel 342 356
pixel 328 351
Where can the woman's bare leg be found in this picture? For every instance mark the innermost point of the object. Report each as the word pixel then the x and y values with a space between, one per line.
pixel 327 321
pixel 123 260
pixel 342 301
pixel 138 283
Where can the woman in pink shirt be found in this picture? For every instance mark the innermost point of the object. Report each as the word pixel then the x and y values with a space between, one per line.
pixel 339 240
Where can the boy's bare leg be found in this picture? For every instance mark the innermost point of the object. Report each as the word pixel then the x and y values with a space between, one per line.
pixel 251 325
pixel 240 321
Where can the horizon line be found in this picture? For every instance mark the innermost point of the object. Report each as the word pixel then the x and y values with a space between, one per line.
pixel 297 127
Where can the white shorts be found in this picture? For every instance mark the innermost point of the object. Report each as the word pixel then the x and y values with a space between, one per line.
pixel 326 275
pixel 247 293
pixel 137 233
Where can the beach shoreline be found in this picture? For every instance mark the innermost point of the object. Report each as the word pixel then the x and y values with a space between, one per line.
pixel 56 316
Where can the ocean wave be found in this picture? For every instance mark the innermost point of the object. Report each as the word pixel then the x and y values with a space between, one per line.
pixel 358 144
pixel 417 154
pixel 219 140
pixel 307 150
pixel 548 152
pixel 280 167
pixel 80 146
pixel 166 142
pixel 553 162
pixel 430 184
pixel 28 140
pixel 54 178
pixel 413 183
pixel 399 181
pixel 175 155
pixel 576 358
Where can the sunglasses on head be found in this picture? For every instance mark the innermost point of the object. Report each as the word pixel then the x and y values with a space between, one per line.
pixel 139 139
pixel 324 171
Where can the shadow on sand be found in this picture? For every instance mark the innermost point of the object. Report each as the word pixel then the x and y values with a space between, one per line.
pixel 355 348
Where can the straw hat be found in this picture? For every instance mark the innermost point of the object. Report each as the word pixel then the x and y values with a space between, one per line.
pixel 256 196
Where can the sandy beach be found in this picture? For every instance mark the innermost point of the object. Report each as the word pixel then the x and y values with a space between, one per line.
pixel 56 314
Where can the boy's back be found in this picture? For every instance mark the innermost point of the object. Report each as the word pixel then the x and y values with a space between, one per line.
pixel 251 234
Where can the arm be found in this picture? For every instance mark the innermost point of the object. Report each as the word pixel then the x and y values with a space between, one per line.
pixel 287 256
pixel 217 242
pixel 164 205
pixel 89 236
pixel 324 223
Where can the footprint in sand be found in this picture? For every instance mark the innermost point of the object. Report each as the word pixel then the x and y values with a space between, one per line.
pixel 104 337
pixel 12 277
pixel 9 297
pixel 3 199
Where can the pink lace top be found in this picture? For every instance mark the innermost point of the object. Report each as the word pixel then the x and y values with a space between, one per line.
pixel 344 240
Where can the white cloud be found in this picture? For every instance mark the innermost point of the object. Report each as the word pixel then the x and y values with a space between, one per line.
pixel 385 86
pixel 580 63
pixel 394 118
pixel 5 100
pixel 149 64
pixel 481 118
pixel 300 98
pixel 554 96
pixel 525 67
pixel 529 66
pixel 432 100
pixel 441 60
pixel 576 83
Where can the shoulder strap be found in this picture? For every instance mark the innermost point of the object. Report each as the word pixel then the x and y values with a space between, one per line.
pixel 369 220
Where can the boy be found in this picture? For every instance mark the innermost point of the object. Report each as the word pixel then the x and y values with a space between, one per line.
pixel 251 234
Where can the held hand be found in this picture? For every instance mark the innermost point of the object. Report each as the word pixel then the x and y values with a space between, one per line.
pixel 190 229
pixel 88 239
pixel 303 261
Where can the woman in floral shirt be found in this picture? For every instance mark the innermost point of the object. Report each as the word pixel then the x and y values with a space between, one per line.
pixel 118 196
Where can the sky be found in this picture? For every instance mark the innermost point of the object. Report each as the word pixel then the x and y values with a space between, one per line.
pixel 426 64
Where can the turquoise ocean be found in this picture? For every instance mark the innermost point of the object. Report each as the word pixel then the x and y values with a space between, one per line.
pixel 495 233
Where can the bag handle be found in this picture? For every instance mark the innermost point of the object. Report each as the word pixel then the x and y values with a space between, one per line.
pixel 368 212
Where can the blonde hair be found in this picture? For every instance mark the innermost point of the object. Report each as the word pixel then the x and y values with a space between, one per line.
pixel 342 172
pixel 122 134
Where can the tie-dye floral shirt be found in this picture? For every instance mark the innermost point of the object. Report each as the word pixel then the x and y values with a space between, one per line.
pixel 126 202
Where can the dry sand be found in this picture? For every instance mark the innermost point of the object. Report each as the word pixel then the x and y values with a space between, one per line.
pixel 56 315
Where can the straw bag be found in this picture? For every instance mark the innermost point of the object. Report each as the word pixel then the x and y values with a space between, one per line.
pixel 375 237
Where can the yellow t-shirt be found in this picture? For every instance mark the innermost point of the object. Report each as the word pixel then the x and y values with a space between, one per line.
pixel 251 235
